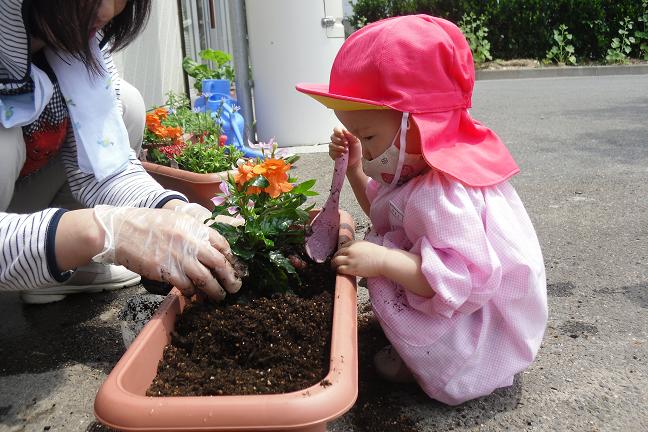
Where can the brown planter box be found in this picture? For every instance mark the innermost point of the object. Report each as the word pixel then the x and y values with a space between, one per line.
pixel 199 188
pixel 121 402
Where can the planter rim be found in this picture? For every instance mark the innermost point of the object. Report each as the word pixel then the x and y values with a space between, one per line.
pixel 120 403
pixel 184 175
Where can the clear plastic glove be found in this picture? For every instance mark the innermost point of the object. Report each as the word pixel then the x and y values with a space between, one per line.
pixel 342 141
pixel 203 215
pixel 168 246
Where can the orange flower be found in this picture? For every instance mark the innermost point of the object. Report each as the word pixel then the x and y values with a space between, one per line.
pixel 161 113
pixel 245 173
pixel 174 132
pixel 253 190
pixel 152 122
pixel 259 169
pixel 276 188
pixel 274 170
pixel 277 175
pixel 276 167
pixel 161 132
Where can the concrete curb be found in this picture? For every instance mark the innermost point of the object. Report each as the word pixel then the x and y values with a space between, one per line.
pixel 565 71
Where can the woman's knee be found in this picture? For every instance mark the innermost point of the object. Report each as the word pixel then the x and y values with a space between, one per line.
pixel 134 114
pixel 12 159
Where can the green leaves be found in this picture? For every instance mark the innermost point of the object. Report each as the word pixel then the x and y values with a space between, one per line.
pixel 642 35
pixel 221 67
pixel 260 181
pixel 208 157
pixel 474 29
pixel 274 230
pixel 620 47
pixel 562 52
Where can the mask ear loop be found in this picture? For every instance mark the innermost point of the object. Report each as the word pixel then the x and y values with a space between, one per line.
pixel 401 154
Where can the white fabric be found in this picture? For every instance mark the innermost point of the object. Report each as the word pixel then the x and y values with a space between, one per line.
pixel 23 109
pixel 394 165
pixel 102 140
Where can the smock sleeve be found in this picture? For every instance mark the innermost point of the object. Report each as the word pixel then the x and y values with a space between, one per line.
pixel 443 220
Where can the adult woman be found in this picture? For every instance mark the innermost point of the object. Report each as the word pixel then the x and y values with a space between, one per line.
pixel 60 118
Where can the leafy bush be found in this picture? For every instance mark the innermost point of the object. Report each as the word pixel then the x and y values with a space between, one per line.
pixel 520 28
pixel 621 46
pixel 642 35
pixel 269 202
pixel 563 51
pixel 199 71
pixel 177 135
pixel 475 31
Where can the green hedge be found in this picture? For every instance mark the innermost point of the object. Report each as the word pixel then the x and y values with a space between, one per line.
pixel 521 28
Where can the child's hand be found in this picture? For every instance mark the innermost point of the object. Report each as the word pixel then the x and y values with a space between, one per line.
pixel 359 258
pixel 343 140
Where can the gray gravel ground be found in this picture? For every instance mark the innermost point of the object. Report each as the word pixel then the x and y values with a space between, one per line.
pixel 582 144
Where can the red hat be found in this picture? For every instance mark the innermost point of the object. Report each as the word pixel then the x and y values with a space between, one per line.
pixel 421 65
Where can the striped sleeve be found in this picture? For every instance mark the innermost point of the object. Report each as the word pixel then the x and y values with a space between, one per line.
pixel 14 46
pixel 27 255
pixel 132 187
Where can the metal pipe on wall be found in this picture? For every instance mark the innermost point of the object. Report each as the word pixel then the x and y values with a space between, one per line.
pixel 239 37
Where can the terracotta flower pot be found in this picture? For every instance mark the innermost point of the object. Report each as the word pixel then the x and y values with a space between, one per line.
pixel 121 402
pixel 199 188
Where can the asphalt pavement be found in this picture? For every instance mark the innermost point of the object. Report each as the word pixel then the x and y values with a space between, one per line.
pixel 582 145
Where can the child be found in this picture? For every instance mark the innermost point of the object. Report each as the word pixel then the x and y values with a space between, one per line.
pixel 453 265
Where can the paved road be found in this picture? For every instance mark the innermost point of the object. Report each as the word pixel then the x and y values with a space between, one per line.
pixel 582 144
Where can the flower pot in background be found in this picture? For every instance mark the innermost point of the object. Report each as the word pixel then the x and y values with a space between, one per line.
pixel 199 188
pixel 121 402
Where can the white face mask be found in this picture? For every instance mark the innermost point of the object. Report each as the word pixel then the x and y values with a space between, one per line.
pixel 395 166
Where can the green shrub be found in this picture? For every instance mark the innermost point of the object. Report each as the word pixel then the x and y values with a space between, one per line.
pixel 521 28
pixel 475 31
pixel 642 35
pixel 222 69
pixel 621 46
pixel 562 52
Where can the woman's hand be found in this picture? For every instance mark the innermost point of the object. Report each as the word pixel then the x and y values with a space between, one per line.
pixel 168 246
pixel 342 141
pixel 360 258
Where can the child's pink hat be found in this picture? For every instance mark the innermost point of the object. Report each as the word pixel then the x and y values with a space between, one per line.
pixel 421 65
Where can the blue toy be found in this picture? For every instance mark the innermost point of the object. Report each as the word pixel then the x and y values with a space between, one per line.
pixel 216 98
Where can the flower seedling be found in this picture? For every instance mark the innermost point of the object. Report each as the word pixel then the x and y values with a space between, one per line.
pixel 180 137
pixel 268 200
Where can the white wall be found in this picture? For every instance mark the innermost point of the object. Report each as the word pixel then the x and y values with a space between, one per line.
pixel 153 62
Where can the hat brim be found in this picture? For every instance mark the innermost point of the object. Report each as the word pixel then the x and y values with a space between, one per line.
pixel 465 149
pixel 320 92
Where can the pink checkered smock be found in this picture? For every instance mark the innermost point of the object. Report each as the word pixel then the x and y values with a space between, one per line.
pixel 481 256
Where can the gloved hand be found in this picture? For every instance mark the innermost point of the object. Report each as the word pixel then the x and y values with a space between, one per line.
pixel 168 246
pixel 203 215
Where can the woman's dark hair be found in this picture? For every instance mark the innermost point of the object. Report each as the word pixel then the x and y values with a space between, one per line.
pixel 66 25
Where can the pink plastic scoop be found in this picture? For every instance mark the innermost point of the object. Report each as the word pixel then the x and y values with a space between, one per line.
pixel 324 235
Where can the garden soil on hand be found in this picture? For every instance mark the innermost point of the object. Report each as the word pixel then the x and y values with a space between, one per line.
pixel 261 346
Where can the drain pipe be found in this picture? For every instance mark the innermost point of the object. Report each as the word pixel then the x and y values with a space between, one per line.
pixel 239 35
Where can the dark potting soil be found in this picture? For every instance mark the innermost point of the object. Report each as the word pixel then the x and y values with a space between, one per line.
pixel 261 346
pixel 376 410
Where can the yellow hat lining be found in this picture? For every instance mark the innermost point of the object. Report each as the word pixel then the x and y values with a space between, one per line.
pixel 345 105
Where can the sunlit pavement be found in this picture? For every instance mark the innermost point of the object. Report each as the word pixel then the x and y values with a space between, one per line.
pixel 582 145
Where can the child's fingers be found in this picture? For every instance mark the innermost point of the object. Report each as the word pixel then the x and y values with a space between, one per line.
pixel 340 148
pixel 336 150
pixel 349 136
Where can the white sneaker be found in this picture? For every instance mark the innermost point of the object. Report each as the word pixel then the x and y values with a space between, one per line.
pixel 87 279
